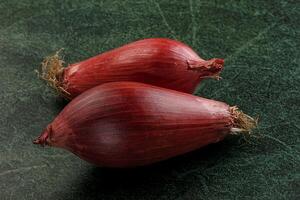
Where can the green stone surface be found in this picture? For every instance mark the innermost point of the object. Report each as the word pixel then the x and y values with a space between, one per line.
pixel 260 43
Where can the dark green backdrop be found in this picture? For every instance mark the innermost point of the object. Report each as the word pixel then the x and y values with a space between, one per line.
pixel 260 43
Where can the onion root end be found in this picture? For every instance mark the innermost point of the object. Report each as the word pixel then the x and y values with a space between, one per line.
pixel 242 122
pixel 52 72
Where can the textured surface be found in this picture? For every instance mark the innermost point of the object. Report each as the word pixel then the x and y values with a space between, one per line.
pixel 260 42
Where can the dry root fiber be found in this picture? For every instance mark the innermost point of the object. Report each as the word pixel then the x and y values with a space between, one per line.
pixel 241 121
pixel 52 72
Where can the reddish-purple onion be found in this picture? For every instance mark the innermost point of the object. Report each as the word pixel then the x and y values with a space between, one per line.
pixel 157 61
pixel 127 124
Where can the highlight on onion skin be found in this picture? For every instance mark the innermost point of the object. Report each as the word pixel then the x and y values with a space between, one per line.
pixel 156 61
pixel 128 124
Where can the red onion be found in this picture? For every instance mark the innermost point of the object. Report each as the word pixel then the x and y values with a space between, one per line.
pixel 161 62
pixel 127 124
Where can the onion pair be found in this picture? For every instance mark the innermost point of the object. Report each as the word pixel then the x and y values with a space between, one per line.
pixel 128 124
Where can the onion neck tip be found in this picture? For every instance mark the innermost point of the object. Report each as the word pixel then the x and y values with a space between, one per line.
pixel 208 68
pixel 42 139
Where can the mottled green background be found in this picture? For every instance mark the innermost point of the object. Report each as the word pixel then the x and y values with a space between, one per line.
pixel 260 43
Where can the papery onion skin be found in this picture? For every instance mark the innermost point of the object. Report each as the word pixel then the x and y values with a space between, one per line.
pixel 156 61
pixel 128 124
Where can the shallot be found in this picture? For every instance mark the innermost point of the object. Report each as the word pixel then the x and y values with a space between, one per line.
pixel 128 124
pixel 157 61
